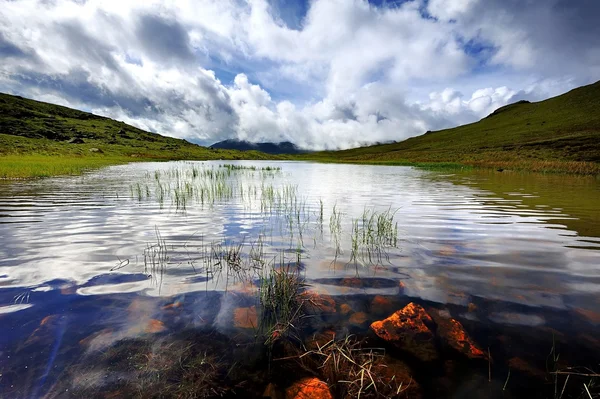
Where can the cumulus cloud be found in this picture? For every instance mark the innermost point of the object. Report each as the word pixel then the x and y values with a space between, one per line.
pixel 324 74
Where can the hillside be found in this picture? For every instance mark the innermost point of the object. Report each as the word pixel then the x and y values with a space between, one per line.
pixel 33 132
pixel 558 134
pixel 284 147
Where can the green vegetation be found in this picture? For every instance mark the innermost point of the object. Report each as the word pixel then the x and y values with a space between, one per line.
pixel 561 134
pixel 39 139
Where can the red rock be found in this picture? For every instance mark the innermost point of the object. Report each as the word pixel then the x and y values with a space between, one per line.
pixel 408 330
pixel 245 317
pixel 317 303
pixel 452 332
pixel 358 318
pixel 381 304
pixel 308 388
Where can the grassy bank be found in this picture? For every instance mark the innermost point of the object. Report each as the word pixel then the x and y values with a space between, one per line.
pixel 39 139
pixel 37 166
pixel 558 135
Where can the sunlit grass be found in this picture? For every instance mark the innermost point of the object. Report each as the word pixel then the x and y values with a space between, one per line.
pixel 37 166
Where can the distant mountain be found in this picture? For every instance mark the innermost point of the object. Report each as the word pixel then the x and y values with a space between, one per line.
pixel 558 134
pixel 284 147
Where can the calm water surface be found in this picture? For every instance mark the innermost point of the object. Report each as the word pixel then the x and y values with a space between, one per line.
pixel 525 248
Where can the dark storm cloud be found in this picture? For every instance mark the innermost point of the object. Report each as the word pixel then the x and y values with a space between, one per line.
pixel 164 39
pixel 8 49
pixel 86 47
pixel 76 86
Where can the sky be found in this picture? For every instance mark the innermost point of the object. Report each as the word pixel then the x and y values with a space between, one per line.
pixel 324 74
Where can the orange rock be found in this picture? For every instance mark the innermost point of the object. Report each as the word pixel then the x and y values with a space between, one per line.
pixel 245 317
pixel 358 318
pixel 318 303
pixel 345 309
pixel 154 326
pixel 408 330
pixel 308 388
pixel 452 332
pixel 381 304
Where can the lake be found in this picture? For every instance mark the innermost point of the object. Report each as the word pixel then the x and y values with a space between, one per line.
pixel 102 272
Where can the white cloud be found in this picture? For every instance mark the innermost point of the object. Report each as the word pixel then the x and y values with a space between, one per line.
pixel 346 74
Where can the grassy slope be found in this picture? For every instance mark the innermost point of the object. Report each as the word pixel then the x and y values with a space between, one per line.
pixel 34 141
pixel 558 134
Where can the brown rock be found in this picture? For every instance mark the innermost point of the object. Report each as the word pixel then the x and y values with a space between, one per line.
pixel 353 282
pixel 345 309
pixel 154 326
pixel 408 330
pixel 245 317
pixel 320 339
pixel 317 303
pixel 272 392
pixel 517 363
pixel 92 341
pixel 471 307
pixel 401 287
pixel 358 318
pixel 308 388
pixel 398 375
pixel 381 304
pixel 174 305
pixel 452 333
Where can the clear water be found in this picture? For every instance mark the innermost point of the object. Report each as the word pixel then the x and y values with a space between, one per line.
pixel 527 247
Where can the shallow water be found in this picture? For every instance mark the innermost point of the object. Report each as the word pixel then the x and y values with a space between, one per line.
pixel 523 249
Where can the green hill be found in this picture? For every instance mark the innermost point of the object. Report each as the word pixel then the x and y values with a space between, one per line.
pixel 558 134
pixel 41 139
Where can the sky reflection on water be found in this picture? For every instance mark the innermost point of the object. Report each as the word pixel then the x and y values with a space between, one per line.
pixel 457 241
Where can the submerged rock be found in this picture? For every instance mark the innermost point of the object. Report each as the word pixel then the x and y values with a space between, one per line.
pixel 517 363
pixel 154 326
pixel 345 309
pixel 453 334
pixel 317 303
pixel 380 305
pixel 308 388
pixel 396 374
pixel 408 329
pixel 272 392
pixel 358 318
pixel 245 317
